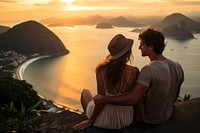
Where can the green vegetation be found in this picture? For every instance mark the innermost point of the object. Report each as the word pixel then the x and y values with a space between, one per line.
pixel 19 102
pixel 186 97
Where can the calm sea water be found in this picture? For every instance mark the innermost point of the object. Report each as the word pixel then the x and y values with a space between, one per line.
pixel 61 79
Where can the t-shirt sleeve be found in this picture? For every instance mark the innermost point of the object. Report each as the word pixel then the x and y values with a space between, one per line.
pixel 145 77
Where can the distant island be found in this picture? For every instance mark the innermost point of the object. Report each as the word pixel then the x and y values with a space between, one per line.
pixel 104 26
pixel 120 21
pixel 178 18
pixel 176 31
pixel 190 26
pixel 176 26
pixel 31 37
pixel 55 25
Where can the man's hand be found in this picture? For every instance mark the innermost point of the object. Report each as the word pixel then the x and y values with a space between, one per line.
pixel 99 99
pixel 82 125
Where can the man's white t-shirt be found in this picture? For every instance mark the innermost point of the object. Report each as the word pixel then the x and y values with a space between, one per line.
pixel 164 79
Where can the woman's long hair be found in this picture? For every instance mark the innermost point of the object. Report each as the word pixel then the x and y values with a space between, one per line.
pixel 114 68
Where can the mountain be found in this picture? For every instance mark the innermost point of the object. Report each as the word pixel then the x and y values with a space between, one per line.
pixel 32 37
pixel 90 20
pixel 3 29
pixel 198 20
pixel 146 21
pixel 181 19
pixel 123 22
pixel 178 32
pixel 93 20
pixel 103 26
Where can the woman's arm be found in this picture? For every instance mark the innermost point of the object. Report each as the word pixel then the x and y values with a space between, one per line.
pixel 97 109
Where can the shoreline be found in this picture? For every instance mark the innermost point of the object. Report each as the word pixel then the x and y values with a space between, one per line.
pixel 18 73
pixel 51 106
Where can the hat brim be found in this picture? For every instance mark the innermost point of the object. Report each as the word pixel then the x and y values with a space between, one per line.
pixel 130 43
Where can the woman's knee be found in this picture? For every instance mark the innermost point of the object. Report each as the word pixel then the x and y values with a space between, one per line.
pixel 86 92
pixel 86 97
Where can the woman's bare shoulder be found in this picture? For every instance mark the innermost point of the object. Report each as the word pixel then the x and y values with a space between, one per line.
pixel 134 68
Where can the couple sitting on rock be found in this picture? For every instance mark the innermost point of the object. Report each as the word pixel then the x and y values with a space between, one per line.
pixel 126 95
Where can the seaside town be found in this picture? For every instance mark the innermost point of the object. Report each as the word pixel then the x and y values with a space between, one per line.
pixel 9 61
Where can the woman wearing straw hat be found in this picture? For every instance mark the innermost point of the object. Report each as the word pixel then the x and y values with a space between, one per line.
pixel 114 77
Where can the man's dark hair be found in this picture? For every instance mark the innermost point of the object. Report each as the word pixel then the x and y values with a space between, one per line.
pixel 153 37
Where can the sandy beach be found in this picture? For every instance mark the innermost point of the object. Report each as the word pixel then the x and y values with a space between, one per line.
pixel 21 68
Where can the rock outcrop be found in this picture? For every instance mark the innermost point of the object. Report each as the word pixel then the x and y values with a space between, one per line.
pixel 185 119
pixel 32 37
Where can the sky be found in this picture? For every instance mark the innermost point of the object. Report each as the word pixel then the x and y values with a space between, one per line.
pixel 14 11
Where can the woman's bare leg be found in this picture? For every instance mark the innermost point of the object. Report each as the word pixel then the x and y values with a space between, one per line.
pixel 86 96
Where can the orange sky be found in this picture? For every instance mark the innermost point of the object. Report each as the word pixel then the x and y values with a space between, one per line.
pixel 22 10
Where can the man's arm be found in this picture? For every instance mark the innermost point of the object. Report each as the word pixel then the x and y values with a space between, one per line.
pixel 131 98
pixel 179 85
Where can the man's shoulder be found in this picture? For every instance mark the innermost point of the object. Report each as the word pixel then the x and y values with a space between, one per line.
pixel 173 63
pixel 145 68
pixel 176 67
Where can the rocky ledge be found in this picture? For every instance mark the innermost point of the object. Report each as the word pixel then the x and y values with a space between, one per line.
pixel 185 119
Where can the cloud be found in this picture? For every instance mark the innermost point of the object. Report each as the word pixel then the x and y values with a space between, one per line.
pixel 8 1
pixel 57 3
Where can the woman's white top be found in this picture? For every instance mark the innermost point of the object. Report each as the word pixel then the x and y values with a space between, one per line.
pixel 112 116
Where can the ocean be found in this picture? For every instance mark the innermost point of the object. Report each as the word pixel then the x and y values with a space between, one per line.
pixel 62 79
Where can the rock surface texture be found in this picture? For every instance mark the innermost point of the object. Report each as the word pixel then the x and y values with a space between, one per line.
pixel 185 119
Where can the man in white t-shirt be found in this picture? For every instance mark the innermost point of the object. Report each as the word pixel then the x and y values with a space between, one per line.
pixel 158 84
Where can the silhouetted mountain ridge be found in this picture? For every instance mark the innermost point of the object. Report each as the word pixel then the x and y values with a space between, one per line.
pixel 123 22
pixel 175 31
pixel 104 26
pixel 92 20
pixel 180 19
pixel 32 37
pixel 3 28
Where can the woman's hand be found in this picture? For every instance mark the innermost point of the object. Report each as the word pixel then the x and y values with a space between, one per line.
pixel 82 125
pixel 99 99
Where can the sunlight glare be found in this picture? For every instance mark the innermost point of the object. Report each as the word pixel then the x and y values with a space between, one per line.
pixel 69 1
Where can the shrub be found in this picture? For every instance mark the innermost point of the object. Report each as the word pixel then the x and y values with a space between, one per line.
pixel 18 102
pixel 186 97
pixel 17 91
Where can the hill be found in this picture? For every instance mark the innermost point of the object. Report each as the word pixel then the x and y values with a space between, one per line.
pixel 3 29
pixel 175 31
pixel 104 26
pixel 177 18
pixel 123 22
pixel 32 37
pixel 92 20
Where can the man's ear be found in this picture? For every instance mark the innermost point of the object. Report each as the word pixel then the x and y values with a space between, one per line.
pixel 151 48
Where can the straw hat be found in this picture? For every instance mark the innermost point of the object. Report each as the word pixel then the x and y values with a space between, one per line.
pixel 118 46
